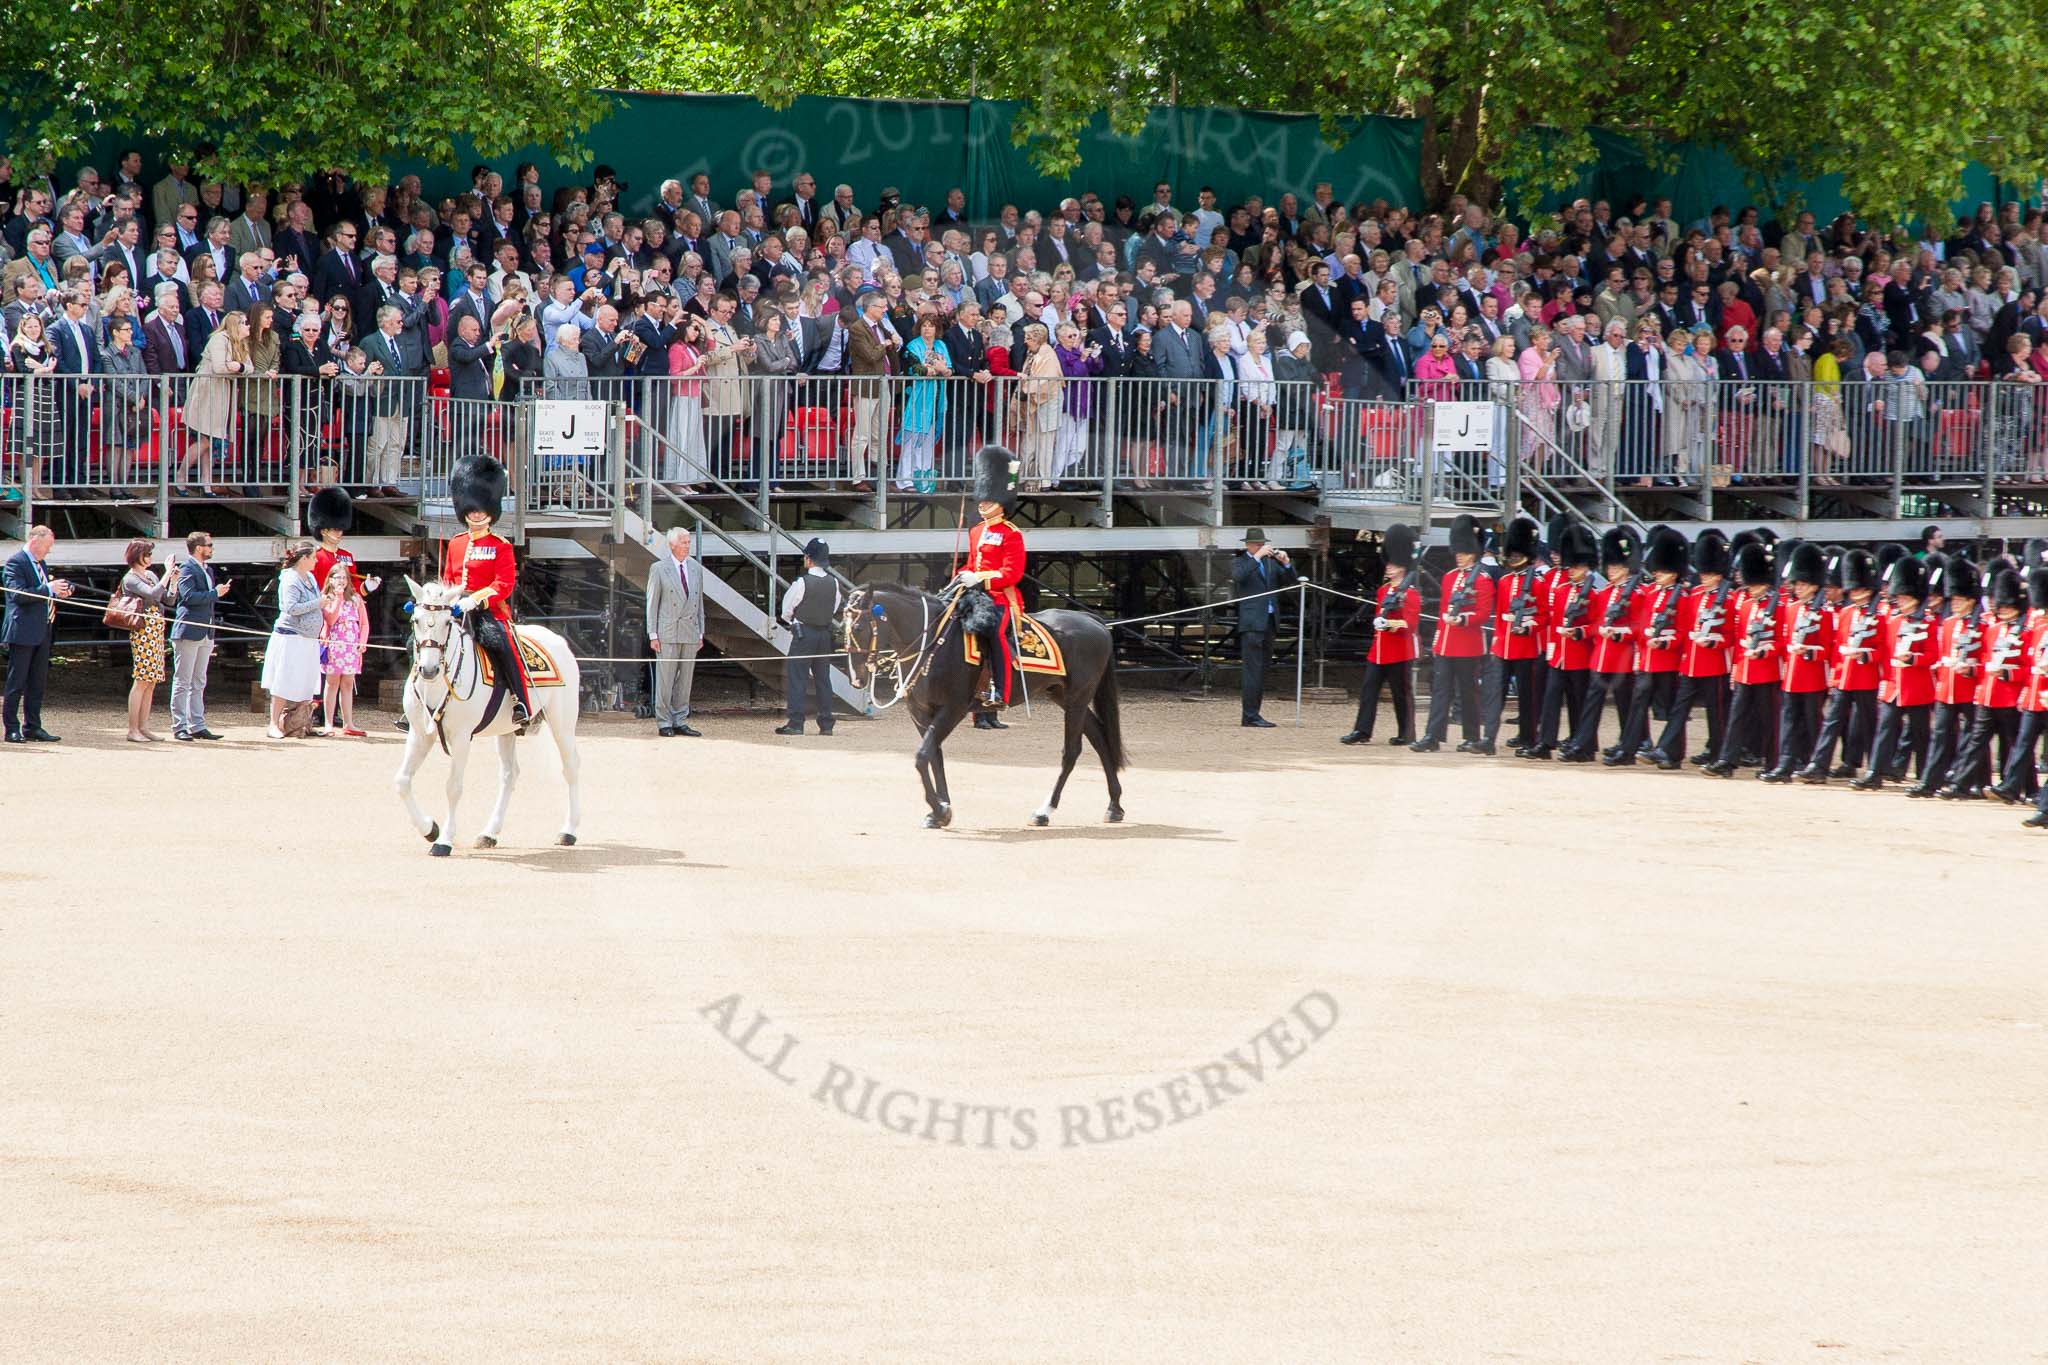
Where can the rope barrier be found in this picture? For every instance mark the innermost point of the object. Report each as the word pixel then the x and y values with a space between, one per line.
pixel 78 603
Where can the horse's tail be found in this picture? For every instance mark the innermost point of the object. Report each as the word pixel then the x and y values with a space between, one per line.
pixel 1106 714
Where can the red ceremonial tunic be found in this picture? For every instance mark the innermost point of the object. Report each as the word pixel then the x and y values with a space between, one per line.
pixel 1750 669
pixel 2034 664
pixel 1704 652
pixel 1395 646
pixel 1466 637
pixel 1908 668
pixel 1858 668
pixel 2001 687
pixel 1518 594
pixel 1568 615
pixel 486 564
pixel 1806 666
pixel 324 561
pixel 1960 665
pixel 1615 652
pixel 998 547
pixel 1658 655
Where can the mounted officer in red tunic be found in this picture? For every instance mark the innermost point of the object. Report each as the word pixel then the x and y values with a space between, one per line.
pixel 995 566
pixel 486 566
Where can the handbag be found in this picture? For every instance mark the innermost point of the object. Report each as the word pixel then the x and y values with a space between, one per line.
pixel 124 612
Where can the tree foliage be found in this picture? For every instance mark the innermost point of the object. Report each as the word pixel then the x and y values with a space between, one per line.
pixel 283 87
pixel 1898 99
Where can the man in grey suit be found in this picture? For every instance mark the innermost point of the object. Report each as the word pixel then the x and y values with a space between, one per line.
pixel 1177 351
pixel 192 637
pixel 675 631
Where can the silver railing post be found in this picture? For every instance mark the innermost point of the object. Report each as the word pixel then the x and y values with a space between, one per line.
pixel 1300 642
pixel 618 470
pixel 294 389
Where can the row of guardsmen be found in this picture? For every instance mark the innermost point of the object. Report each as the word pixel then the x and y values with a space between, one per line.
pixel 1794 654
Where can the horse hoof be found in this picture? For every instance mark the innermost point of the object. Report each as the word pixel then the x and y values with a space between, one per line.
pixel 486 841
pixel 1041 820
pixel 1115 815
pixel 568 841
pixel 440 850
pixel 433 833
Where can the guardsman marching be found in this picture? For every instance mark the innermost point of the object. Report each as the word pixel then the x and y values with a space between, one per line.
pixel 1906 693
pixel 1997 710
pixel 995 562
pixel 2022 777
pixel 1397 611
pixel 1464 605
pixel 1757 651
pixel 1806 627
pixel 1959 667
pixel 1611 669
pixel 1568 650
pixel 1657 607
pixel 1517 637
pixel 1705 625
pixel 487 568
pixel 1853 674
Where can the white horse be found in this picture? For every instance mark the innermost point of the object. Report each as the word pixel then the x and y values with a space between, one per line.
pixel 445 702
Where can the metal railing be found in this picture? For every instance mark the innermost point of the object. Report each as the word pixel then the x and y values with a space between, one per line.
pixel 1703 432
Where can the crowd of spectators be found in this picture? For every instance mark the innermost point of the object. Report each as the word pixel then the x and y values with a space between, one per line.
pixel 1250 315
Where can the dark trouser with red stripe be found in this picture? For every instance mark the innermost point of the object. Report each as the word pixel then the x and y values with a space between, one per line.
pixel 1749 719
pixel 1850 722
pixel 1566 691
pixel 1798 727
pixel 1710 692
pixel 2021 777
pixel 1947 733
pixel 1894 723
pixel 1454 679
pixel 1599 687
pixel 1526 674
pixel 1654 693
pixel 1973 765
pixel 1396 679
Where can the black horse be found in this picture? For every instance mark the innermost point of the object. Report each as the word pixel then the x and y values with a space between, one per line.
pixel 910 641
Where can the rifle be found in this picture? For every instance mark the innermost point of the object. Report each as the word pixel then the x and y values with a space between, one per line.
pixel 1524 619
pixel 1756 640
pixel 1387 616
pixel 1614 627
pixel 1706 627
pixel 1574 614
pixel 1968 637
pixel 1809 624
pixel 1660 624
pixel 1859 638
pixel 1461 600
pixel 1912 635
pixel 2008 650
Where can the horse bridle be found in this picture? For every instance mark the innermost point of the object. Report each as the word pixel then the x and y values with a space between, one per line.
pixel 877 659
pixel 441 648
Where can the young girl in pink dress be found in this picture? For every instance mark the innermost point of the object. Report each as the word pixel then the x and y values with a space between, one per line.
pixel 341 649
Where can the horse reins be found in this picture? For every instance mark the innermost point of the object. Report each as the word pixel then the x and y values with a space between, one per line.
pixel 929 637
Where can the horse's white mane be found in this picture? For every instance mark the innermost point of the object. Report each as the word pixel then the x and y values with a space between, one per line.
pixel 435 593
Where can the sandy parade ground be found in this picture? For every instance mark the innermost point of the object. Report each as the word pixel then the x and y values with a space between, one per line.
pixel 1326 1054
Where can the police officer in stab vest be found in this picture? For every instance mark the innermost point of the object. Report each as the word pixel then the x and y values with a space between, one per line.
pixel 813 602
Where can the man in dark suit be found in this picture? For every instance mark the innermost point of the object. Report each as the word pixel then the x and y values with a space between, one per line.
pixel 1258 570
pixel 123 246
pixel 165 348
pixel 30 623
pixel 1386 350
pixel 339 272
pixel 1320 305
pixel 201 320
pixel 298 246
pixel 969 351
pixel 604 352
pixel 78 355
